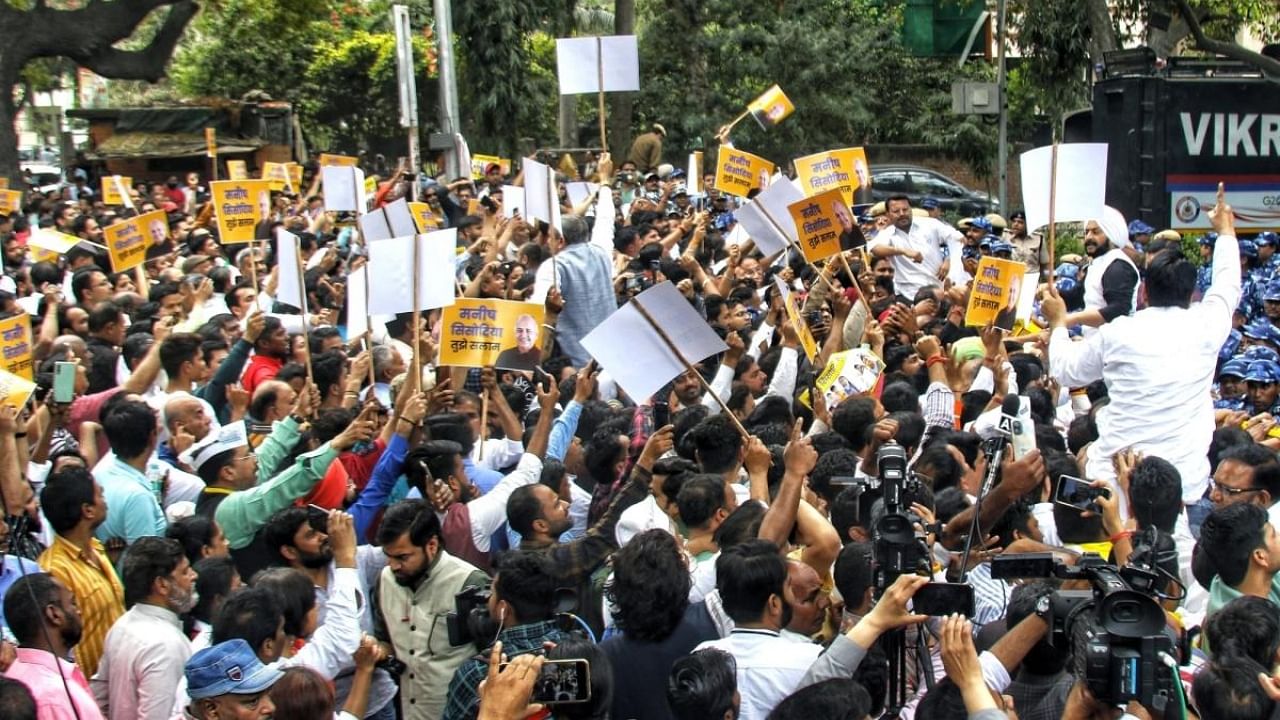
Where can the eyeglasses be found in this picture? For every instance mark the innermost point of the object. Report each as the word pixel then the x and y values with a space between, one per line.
pixel 1232 491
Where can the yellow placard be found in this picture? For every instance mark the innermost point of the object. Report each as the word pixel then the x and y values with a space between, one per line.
pixel 239 206
pixel 210 142
pixel 994 295
pixel 791 304
pixel 15 339
pixel 848 373
pixel 329 160
pixel 236 170
pixel 423 217
pixel 479 162
pixel 10 201
pixel 738 172
pixel 111 189
pixel 277 174
pixel 295 176
pixel 4 183
pixel 127 241
pixel 47 245
pixel 842 170
pixel 772 107
pixel 371 187
pixel 502 333
pixel 820 220
pixel 15 390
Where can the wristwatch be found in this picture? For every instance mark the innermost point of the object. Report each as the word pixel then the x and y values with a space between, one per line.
pixel 1042 607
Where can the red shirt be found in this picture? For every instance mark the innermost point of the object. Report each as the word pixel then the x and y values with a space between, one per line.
pixel 260 368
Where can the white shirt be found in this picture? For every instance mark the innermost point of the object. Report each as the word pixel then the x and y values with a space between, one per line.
pixel 499 453
pixel 644 515
pixel 142 664
pixel 928 236
pixel 1158 365
pixel 770 668
pixel 489 511
pixel 328 650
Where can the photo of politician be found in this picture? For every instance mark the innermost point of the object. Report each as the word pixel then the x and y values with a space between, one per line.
pixel 526 355
pixel 1005 318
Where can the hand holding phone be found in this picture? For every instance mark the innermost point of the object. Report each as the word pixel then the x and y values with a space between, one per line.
pixel 64 382
pixel 1076 493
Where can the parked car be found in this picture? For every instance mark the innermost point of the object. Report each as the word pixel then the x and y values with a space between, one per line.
pixel 43 177
pixel 918 183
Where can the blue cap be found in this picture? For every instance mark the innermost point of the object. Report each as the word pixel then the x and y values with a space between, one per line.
pixel 865 219
pixel 1258 352
pixel 1235 367
pixel 999 246
pixel 722 221
pixel 1066 284
pixel 1263 371
pixel 1259 330
pixel 1229 347
pixel 1137 227
pixel 978 222
pixel 1209 238
pixel 1268 239
pixel 929 203
pixel 228 668
pixel 1248 249
pixel 1067 270
pixel 970 252
pixel 1271 291
pixel 985 242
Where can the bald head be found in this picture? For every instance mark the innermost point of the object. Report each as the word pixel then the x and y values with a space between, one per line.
pixel 272 400
pixel 185 414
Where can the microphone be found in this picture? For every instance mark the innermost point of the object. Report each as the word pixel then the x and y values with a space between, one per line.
pixel 994 447
pixel 1007 429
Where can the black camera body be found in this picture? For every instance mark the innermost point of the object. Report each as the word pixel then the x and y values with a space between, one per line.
pixel 898 547
pixel 1120 647
pixel 470 622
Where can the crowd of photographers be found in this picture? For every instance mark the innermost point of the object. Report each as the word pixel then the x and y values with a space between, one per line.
pixel 240 512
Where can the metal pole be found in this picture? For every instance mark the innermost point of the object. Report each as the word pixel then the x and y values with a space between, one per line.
pixel 448 83
pixel 408 90
pixel 1001 82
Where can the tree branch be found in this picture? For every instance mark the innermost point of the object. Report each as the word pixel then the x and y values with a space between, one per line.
pixel 1270 67
pixel 146 64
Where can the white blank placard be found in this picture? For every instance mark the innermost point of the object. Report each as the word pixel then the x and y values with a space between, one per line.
pixel 343 188
pixel 576 64
pixel 1081 190
pixel 391 264
pixel 766 218
pixel 636 355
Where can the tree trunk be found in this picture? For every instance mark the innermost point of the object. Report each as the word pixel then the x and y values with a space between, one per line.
pixel 8 131
pixel 1102 32
pixel 568 121
pixel 87 36
pixel 621 105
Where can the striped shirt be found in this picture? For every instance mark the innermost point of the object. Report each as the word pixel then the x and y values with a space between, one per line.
pixel 98 593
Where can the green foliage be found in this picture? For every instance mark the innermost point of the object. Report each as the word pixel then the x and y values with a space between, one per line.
pixel 841 62
pixel 500 93
pixel 334 60
pixel 249 45
pixel 345 80
pixel 1054 36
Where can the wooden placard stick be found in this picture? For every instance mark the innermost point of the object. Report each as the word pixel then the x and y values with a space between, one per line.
pixel 306 324
pixel 600 94
pixel 689 367
pixel 1053 197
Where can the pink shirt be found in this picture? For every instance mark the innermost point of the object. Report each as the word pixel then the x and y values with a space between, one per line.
pixel 38 670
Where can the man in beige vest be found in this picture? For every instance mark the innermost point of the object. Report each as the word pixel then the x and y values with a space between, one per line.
pixel 415 594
